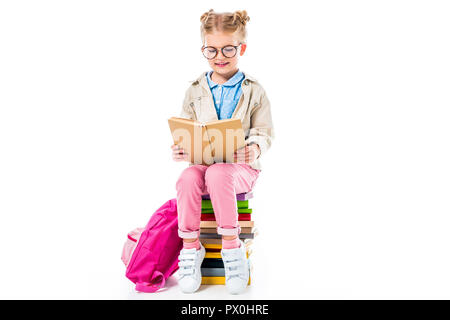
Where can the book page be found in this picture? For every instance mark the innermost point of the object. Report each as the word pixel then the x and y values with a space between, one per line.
pixel 191 135
pixel 225 136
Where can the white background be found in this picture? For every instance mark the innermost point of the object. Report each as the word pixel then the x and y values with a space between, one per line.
pixel 353 200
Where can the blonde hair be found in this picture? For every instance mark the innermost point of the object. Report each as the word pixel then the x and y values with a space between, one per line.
pixel 227 22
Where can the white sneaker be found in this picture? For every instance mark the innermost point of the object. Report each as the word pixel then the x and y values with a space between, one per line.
pixel 190 261
pixel 237 268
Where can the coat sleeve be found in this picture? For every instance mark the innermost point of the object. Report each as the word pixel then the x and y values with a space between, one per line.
pixel 261 126
pixel 186 110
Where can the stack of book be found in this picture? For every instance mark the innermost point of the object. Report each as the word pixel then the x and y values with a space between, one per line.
pixel 212 268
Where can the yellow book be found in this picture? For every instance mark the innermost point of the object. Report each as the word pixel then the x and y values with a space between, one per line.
pixel 217 255
pixel 217 280
pixel 219 245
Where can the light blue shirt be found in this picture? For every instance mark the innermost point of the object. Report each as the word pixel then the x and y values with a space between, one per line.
pixel 226 96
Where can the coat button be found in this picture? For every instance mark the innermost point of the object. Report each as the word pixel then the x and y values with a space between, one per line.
pixel 256 104
pixel 192 104
pixel 246 82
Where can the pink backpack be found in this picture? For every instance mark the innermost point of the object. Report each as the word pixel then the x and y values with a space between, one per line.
pixel 151 253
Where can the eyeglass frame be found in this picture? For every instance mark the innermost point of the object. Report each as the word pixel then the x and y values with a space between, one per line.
pixel 221 49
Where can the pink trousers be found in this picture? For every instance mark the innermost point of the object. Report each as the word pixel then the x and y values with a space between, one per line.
pixel 222 181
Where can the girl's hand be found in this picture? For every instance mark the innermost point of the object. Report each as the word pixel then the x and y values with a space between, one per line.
pixel 178 153
pixel 247 154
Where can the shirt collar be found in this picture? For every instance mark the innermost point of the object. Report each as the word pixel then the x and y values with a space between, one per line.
pixel 238 76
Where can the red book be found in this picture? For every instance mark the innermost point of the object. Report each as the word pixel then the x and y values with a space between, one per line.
pixel 211 217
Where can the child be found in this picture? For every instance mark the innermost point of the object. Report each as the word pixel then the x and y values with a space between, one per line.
pixel 222 93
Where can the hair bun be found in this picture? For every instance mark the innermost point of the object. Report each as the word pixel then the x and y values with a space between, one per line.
pixel 242 16
pixel 205 16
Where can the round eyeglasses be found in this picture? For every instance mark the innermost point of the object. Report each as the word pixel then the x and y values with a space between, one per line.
pixel 228 51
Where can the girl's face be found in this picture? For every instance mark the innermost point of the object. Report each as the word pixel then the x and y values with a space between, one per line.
pixel 221 64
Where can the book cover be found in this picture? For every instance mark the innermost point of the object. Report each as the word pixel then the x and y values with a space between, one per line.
pixel 213 224
pixel 239 211
pixel 212 217
pixel 207 204
pixel 242 236
pixel 218 246
pixel 213 230
pixel 239 196
pixel 213 272
pixel 210 142
pixel 219 241
pixel 217 255
pixel 217 280
pixel 212 263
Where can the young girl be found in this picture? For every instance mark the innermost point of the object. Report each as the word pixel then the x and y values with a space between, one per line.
pixel 222 93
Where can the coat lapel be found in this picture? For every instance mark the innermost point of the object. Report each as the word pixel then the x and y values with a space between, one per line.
pixel 209 107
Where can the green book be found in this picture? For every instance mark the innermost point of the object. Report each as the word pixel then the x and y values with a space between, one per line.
pixel 239 210
pixel 206 204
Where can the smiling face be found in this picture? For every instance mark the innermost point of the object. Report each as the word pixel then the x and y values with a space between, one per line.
pixel 223 66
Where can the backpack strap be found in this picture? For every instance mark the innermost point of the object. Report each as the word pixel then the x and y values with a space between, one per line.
pixel 151 287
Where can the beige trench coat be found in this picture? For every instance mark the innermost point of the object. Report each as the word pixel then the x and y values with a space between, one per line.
pixel 253 109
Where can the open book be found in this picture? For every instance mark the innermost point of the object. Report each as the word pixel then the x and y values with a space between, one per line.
pixel 210 142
